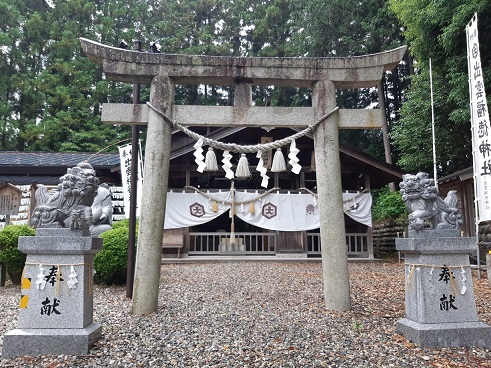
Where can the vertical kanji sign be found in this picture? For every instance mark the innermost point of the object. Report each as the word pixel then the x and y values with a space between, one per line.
pixel 481 140
pixel 125 158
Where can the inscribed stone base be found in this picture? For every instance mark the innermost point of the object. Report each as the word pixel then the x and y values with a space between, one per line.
pixel 440 335
pixel 56 301
pixel 440 303
pixel 50 341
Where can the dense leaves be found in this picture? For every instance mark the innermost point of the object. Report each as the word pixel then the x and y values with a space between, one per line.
pixel 387 205
pixel 50 93
pixel 10 256
pixel 111 262
pixel 436 30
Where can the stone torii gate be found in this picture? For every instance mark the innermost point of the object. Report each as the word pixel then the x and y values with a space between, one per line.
pixel 163 72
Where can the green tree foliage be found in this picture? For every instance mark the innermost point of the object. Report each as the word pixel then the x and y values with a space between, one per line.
pixel 13 259
pixel 436 29
pixel 387 205
pixel 51 93
pixel 331 28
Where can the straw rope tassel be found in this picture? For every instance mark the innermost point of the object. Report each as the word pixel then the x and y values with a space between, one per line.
pixel 279 163
pixel 211 160
pixel 243 167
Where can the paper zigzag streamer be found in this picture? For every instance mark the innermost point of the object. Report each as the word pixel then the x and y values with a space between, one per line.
pixel 293 157
pixel 464 279
pixel 40 278
pixel 227 165
pixel 72 278
pixel 260 167
pixel 198 154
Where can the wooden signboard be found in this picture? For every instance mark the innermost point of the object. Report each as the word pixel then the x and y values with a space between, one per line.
pixel 267 155
pixel 10 198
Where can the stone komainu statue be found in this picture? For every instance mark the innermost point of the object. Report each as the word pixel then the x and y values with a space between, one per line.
pixel 70 203
pixel 426 209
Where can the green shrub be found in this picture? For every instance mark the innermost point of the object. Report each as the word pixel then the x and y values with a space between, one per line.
pixel 112 261
pixel 10 256
pixel 388 205
pixel 123 223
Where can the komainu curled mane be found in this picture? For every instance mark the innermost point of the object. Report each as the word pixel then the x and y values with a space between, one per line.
pixel 427 210
pixel 70 203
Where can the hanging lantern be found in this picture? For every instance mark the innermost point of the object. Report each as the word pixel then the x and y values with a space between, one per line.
pixel 279 163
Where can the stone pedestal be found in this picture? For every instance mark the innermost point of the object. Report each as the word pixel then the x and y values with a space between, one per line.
pixel 440 303
pixel 488 265
pixel 56 304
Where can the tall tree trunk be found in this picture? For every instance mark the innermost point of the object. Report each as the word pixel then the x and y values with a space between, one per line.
pixel 385 129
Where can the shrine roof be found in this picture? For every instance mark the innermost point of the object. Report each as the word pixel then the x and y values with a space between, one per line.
pixel 25 168
pixel 59 159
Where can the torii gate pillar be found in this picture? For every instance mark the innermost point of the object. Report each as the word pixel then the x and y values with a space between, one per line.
pixel 156 174
pixel 323 75
pixel 329 190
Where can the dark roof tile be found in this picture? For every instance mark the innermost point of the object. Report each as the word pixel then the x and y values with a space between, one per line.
pixel 63 159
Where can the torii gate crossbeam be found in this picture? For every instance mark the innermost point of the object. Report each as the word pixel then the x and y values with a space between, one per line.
pixel 163 71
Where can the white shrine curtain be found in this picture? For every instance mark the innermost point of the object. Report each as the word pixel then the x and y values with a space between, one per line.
pixel 275 211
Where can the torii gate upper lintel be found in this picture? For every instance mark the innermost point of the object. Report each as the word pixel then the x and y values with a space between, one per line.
pixel 163 71
pixel 140 67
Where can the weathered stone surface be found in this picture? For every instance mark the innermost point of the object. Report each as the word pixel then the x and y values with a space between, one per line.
pixel 441 335
pixel 140 67
pixel 37 341
pixel 156 174
pixel 436 245
pixel 60 242
pixel 115 113
pixel 430 282
pixel 74 305
pixel 56 304
pixel 69 204
pixel 329 189
pixel 427 211
pixel 440 303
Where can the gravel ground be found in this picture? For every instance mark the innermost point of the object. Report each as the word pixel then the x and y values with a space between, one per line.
pixel 257 315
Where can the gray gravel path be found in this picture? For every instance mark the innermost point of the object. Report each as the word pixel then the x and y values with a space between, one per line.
pixel 257 315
